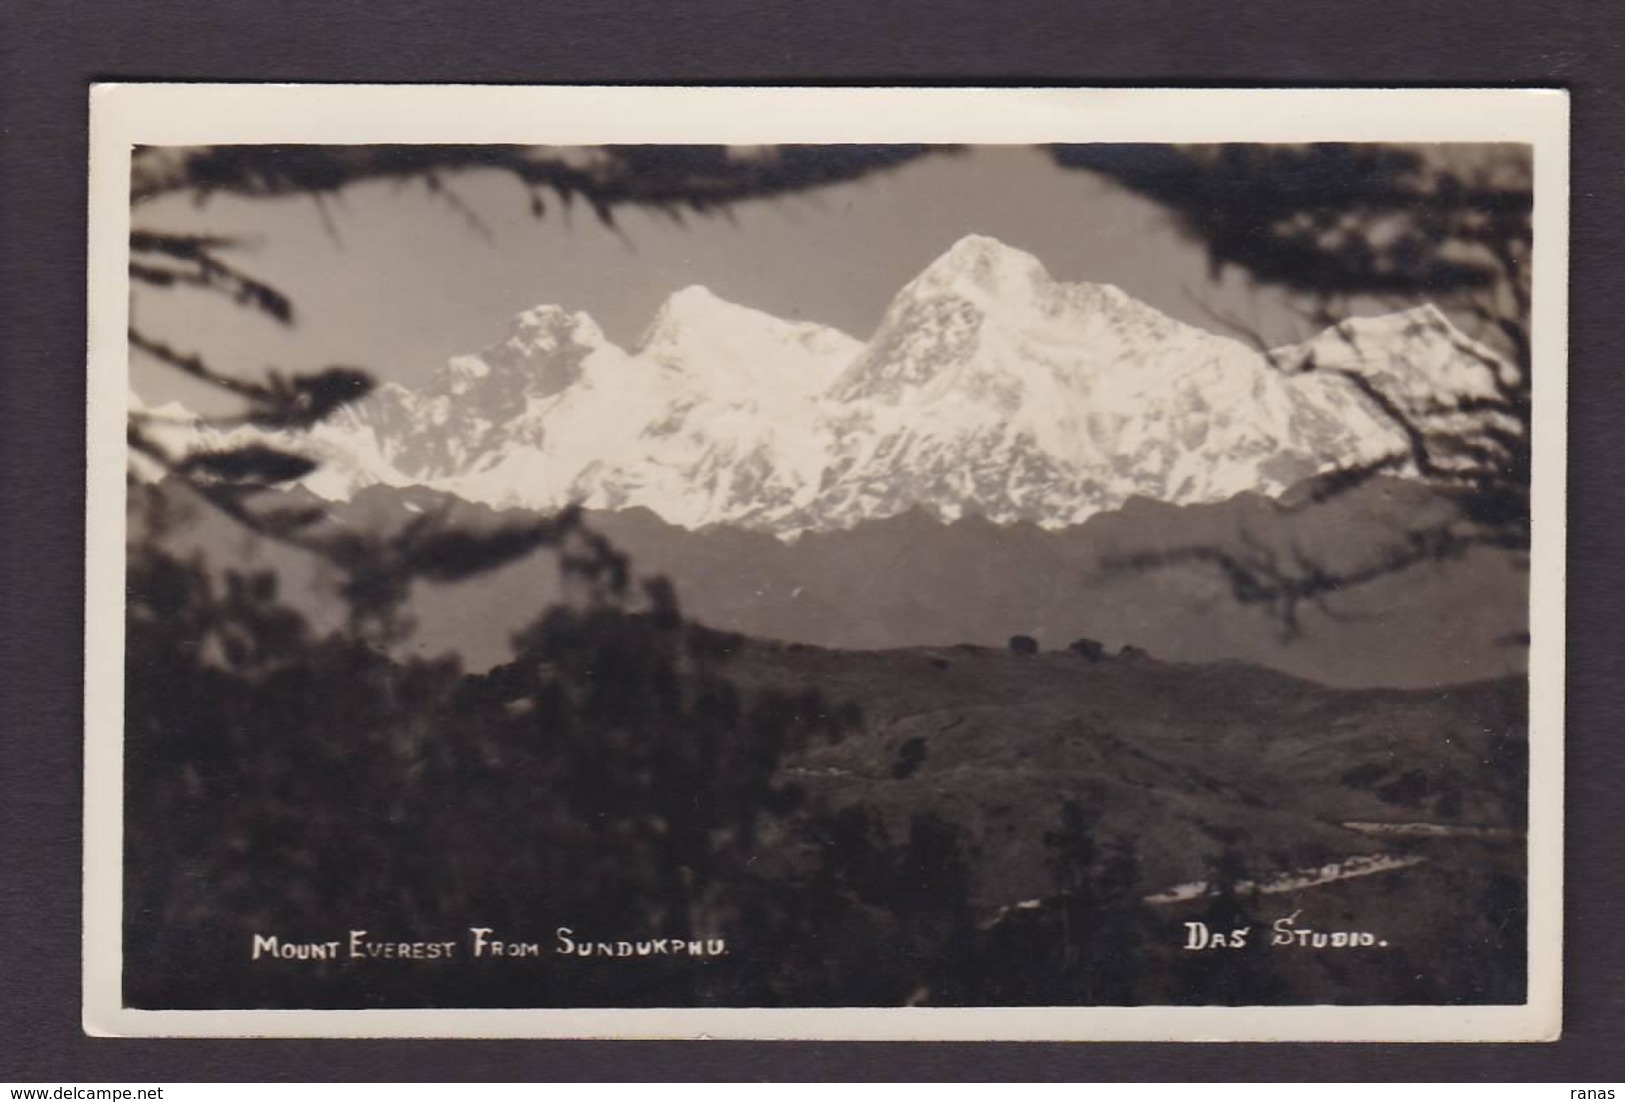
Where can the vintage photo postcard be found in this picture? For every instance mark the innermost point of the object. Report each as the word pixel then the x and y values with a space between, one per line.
pixel 843 563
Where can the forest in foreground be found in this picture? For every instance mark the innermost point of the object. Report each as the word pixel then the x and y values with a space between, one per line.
pixel 917 826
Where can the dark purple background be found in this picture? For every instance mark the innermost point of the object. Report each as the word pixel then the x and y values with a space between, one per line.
pixel 50 53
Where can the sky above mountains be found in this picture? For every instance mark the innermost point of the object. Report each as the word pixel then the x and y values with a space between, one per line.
pixel 397 280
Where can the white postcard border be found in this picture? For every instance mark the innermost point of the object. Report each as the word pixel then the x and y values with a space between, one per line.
pixel 124 115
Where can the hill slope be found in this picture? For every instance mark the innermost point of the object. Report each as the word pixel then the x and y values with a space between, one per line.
pixel 914 580
pixel 1180 760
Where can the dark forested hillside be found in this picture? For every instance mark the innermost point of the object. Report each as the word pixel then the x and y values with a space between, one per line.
pixel 927 825
pixel 912 580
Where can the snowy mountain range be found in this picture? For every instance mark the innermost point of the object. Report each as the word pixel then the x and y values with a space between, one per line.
pixel 989 388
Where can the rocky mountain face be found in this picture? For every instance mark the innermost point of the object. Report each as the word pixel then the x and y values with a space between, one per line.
pixel 989 389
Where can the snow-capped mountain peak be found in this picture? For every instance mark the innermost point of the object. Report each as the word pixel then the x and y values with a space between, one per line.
pixel 988 388
pixel 1416 355
pixel 987 317
pixel 693 307
pixel 698 334
pixel 983 267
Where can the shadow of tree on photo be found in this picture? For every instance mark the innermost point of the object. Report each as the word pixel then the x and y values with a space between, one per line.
pixel 613 778
pixel 1333 225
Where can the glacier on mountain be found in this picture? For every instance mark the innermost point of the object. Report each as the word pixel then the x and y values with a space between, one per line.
pixel 988 388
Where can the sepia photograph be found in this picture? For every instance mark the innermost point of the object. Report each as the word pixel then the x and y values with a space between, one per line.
pixel 776 563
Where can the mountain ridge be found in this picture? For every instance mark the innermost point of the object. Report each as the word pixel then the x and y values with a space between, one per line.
pixel 988 387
